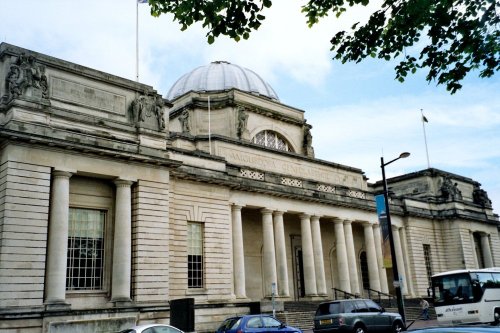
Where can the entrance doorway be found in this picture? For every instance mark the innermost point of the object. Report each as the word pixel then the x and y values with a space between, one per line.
pixel 298 267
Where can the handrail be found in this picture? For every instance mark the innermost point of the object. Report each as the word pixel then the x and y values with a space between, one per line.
pixel 380 294
pixel 346 294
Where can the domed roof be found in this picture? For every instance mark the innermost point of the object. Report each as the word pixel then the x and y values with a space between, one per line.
pixel 221 75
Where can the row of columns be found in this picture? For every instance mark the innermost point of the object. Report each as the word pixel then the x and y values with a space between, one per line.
pixel 57 247
pixel 484 243
pixel 275 263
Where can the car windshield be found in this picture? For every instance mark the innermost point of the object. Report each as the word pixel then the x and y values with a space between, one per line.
pixel 229 324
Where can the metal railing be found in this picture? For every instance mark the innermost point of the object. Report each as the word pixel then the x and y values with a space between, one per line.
pixel 380 295
pixel 346 294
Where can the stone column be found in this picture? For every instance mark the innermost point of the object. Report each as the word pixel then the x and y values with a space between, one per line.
pixel 57 247
pixel 351 256
pixel 485 247
pixel 238 253
pixel 399 258
pixel 282 269
pixel 342 262
pixel 384 287
pixel 268 252
pixel 319 264
pixel 371 256
pixel 408 275
pixel 122 243
pixel 473 249
pixel 308 256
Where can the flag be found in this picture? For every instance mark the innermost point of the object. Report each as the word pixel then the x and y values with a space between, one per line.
pixel 424 119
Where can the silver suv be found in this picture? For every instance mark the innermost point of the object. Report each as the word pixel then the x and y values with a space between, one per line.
pixel 355 315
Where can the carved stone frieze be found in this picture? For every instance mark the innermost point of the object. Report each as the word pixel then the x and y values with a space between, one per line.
pixel 26 78
pixel 148 111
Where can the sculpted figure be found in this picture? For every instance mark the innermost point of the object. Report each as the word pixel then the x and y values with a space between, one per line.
pixel 184 119
pixel 242 121
pixel 23 74
pixel 160 113
pixel 480 197
pixel 450 190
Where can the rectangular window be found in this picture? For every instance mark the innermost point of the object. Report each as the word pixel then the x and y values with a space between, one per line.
pixel 85 267
pixel 428 262
pixel 195 255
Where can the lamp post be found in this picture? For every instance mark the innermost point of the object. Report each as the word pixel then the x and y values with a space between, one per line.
pixel 397 284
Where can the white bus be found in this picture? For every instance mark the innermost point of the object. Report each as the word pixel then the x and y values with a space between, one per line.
pixel 467 296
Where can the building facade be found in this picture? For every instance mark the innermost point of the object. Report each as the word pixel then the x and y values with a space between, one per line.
pixel 116 201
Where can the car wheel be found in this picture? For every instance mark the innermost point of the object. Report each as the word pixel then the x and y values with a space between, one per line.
pixel 359 329
pixel 397 327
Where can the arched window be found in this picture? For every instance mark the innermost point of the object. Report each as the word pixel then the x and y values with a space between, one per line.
pixel 271 139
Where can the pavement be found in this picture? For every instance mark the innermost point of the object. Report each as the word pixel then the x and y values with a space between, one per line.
pixel 421 324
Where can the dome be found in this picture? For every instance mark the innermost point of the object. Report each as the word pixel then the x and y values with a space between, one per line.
pixel 221 75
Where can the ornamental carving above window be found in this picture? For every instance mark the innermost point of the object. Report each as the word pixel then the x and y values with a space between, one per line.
pixel 271 139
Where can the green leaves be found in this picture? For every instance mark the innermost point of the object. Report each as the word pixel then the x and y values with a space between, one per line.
pixel 448 38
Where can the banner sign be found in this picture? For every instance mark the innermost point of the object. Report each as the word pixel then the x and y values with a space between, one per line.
pixel 384 229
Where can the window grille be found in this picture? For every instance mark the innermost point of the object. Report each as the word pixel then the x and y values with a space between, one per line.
pixel 428 262
pixel 85 258
pixel 271 139
pixel 195 255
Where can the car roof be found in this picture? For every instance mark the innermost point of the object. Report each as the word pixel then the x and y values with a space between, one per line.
pixel 144 326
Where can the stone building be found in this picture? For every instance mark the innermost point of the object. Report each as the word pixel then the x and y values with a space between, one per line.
pixel 116 201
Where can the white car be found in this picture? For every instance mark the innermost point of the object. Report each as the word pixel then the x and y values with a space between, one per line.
pixel 152 328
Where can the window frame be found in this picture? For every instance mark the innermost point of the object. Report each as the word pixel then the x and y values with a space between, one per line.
pixel 200 278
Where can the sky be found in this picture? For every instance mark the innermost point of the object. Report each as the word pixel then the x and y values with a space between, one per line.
pixel 359 112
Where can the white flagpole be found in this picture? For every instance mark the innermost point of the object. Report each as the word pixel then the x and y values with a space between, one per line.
pixel 137 40
pixel 424 120
pixel 209 129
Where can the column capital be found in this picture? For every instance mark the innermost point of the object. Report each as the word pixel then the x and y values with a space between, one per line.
pixel 304 216
pixel 266 211
pixel 346 222
pixel 278 213
pixel 315 217
pixel 123 183
pixel 61 174
pixel 337 220
pixel 236 207
pixel 395 227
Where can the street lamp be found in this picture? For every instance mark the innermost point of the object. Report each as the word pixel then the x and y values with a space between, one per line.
pixel 397 284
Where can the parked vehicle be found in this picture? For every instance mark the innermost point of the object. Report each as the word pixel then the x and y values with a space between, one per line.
pixel 152 328
pixel 355 315
pixel 255 324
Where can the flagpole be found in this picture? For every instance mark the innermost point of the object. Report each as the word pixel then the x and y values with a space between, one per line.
pixel 209 129
pixel 424 120
pixel 137 40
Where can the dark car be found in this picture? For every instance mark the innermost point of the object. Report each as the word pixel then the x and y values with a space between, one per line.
pixel 255 324
pixel 355 315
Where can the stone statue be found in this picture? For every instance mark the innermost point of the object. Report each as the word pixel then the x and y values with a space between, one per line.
pixel 160 113
pixel 480 197
pixel 307 142
pixel 242 122
pixel 184 119
pixel 450 190
pixel 26 77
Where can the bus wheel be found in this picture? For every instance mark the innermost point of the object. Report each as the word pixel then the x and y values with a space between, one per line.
pixel 497 316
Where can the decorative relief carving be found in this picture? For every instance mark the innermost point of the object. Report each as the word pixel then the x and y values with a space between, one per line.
pixel 184 120
pixel 480 197
pixel 291 182
pixel 26 78
pixel 251 174
pixel 325 188
pixel 148 111
pixel 450 190
pixel 356 194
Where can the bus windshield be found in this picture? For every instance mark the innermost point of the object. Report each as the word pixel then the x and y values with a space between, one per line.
pixel 455 289
pixel 462 287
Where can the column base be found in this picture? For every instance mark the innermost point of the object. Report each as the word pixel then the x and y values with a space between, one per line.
pixel 57 306
pixel 121 302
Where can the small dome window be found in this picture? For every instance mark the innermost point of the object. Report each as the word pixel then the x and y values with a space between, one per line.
pixel 271 139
